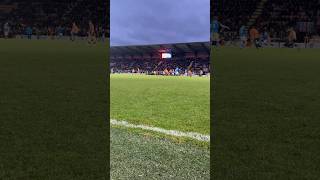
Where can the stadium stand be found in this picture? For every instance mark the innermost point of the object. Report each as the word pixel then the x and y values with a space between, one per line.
pixel 146 59
pixel 233 13
pixel 280 15
pixel 274 16
pixel 55 17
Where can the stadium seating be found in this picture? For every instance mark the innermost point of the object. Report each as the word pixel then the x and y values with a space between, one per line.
pixel 274 15
pixel 41 15
pixel 233 13
pixel 157 66
pixel 280 15
pixel 149 59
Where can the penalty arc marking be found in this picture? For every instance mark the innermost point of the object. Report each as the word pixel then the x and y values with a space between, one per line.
pixel 192 135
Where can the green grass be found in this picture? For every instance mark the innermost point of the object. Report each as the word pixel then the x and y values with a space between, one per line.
pixel 53 110
pixel 178 103
pixel 266 114
pixel 147 157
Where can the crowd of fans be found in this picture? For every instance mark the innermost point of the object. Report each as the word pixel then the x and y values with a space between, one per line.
pixel 156 66
pixel 302 15
pixel 233 12
pixel 53 17
pixel 277 18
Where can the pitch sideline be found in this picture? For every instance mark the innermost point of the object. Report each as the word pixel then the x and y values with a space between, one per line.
pixel 193 135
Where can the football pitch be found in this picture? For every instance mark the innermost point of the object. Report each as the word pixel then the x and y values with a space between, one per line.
pixel 171 103
pixel 53 110
pixel 266 113
pixel 176 103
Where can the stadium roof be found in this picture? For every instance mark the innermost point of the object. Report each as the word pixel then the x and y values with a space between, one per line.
pixel 179 49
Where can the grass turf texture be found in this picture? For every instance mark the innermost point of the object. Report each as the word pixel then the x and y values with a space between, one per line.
pixel 266 114
pixel 175 103
pixel 52 110
pixel 147 157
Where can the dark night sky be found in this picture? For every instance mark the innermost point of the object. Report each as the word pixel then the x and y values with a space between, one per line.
pixel 137 22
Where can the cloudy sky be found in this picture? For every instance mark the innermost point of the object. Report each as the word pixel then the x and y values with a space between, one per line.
pixel 137 22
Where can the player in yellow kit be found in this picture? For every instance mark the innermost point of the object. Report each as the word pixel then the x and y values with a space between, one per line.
pixel 74 31
pixel 91 33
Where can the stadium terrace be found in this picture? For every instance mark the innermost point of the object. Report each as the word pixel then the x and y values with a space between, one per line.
pixel 52 18
pixel 278 23
pixel 164 59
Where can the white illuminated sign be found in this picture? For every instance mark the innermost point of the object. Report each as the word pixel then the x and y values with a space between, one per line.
pixel 166 55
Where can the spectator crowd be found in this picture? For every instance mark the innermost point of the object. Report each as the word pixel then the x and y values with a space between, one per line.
pixel 53 18
pixel 275 17
pixel 156 66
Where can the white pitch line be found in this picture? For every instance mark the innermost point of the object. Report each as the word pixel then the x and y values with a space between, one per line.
pixel 193 135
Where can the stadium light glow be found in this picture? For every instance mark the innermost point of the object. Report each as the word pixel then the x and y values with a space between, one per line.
pixel 166 55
